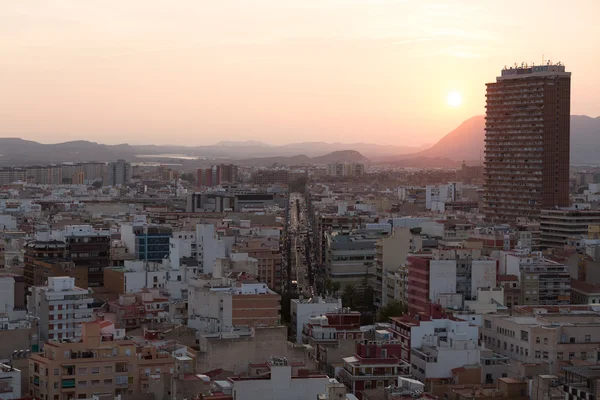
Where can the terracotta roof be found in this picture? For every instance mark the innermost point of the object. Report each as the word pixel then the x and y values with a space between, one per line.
pixel 584 287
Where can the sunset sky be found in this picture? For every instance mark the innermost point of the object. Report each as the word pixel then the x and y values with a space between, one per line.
pixel 195 72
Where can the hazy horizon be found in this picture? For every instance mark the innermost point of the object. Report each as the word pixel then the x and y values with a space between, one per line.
pixel 400 72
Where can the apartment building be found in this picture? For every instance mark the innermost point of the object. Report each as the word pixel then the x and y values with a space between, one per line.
pixel 547 338
pixel 302 310
pixel 134 309
pixel 448 271
pixel 375 364
pixel 97 363
pixel 581 383
pixel 345 169
pixel 10 382
pixel 394 286
pixel 221 304
pixel 330 223
pixel 559 227
pixel 331 337
pixel 542 281
pixel 41 249
pixel 135 276
pixel 266 251
pixel 88 248
pixel 526 162
pixel 148 242
pixel 118 173
pixel 442 353
pixel 390 254
pixel 217 175
pixel 61 307
pixel 410 330
pixel 351 258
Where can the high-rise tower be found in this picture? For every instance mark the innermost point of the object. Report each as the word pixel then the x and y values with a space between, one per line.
pixel 527 142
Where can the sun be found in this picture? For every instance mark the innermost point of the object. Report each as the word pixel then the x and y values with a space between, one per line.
pixel 454 99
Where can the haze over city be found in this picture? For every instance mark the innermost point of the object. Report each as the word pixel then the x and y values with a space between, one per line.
pixel 276 71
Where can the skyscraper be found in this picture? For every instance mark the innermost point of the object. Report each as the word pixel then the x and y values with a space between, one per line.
pixel 118 173
pixel 527 142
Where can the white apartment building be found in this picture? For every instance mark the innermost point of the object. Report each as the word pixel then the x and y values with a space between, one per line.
pixel 61 307
pixel 210 247
pixel 10 382
pixel 303 309
pixel 140 275
pixel 436 358
pixel 437 195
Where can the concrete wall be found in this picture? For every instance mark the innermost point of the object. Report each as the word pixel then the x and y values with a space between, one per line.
pixel 442 278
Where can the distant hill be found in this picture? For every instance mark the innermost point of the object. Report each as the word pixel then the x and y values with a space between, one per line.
pixel 336 156
pixel 19 151
pixel 467 142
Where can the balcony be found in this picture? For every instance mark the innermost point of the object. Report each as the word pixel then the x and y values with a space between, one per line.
pixel 68 384
pixel 122 368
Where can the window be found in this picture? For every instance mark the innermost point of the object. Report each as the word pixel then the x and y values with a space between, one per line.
pixel 525 336
pixel 571 356
pixel 572 340
pixel 545 355
pixel 108 382
pixel 559 355
pixel 538 354
pixel 545 340
pixel 588 338
pixel 82 371
pixel 96 383
pixel 368 385
pixel 583 355
pixel 537 339
pixel 95 370
pixel 108 370
pixel 55 371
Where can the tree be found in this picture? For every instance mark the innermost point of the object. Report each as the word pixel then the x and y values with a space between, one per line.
pixel 392 309
pixel 335 287
pixel 348 296
pixel 188 177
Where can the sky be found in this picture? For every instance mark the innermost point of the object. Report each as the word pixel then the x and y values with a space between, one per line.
pixel 192 72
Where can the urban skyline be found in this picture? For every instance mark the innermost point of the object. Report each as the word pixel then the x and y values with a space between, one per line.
pixel 181 75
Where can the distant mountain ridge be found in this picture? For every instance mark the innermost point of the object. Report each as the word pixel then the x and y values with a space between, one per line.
pixel 466 142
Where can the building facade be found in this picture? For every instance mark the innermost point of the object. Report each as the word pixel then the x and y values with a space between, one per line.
pixel 527 142
pixel 61 307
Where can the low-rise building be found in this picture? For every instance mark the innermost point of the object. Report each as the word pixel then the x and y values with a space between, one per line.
pixel 278 379
pixel 375 364
pixel 302 310
pixel 331 337
pixel 10 382
pixel 134 309
pixel 220 304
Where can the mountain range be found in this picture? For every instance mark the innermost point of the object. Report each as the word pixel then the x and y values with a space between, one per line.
pixel 465 143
